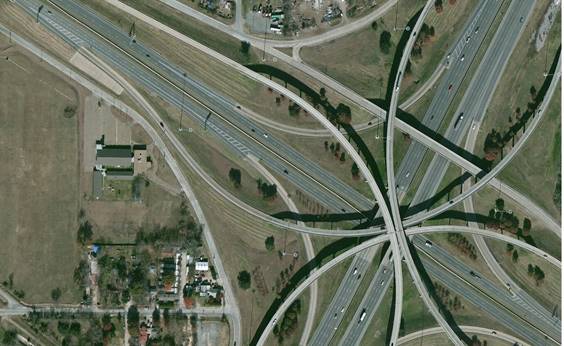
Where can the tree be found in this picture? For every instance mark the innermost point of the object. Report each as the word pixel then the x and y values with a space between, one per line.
pixel 500 204
pixel 269 243
pixel 438 6
pixel 385 41
pixel 526 226
pixel 84 232
pixel 332 147
pixel 132 317
pixel 322 93
pixel 9 337
pixel 344 113
pixel 530 269
pixel 56 294
pixel 166 315
pixel 156 315
pixel 354 170
pixel 533 92
pixel 509 247
pixel 245 47
pixel 515 256
pixel 326 144
pixel 342 158
pixel 235 177
pixel 244 279
pixel 374 25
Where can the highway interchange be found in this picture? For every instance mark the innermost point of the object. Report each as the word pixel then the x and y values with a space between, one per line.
pixel 148 68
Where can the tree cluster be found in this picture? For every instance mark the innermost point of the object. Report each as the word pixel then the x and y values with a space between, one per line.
pixel 493 145
pixel 445 296
pixel 245 47
pixel 294 109
pixel 289 322
pixel 536 272
pixel 268 191
pixel 425 35
pixel 462 243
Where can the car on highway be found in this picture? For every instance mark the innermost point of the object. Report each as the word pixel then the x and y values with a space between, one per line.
pixel 467 39
pixel 473 126
pixel 460 117
pixel 476 30
pixel 449 87
pixel 274 321
pixel 521 20
pixel 462 57
pixel 343 308
pixel 362 315
pixel 428 243
pixel 474 275
pixel 407 174
pixel 355 271
pixel 265 135
pixel 382 283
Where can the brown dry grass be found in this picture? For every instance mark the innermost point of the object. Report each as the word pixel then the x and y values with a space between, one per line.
pixel 40 183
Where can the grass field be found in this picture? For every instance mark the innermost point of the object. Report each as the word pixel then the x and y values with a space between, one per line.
pixel 534 171
pixel 544 239
pixel 546 293
pixel 536 168
pixel 41 185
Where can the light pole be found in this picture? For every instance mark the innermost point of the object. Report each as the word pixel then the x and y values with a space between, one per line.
pixel 182 105
pixel 264 47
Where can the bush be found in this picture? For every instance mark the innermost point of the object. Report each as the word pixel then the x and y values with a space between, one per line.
pixel 385 42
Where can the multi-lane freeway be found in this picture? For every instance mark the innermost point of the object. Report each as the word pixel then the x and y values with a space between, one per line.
pixel 82 27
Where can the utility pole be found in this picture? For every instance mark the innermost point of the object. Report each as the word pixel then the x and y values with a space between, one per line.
pixel 182 106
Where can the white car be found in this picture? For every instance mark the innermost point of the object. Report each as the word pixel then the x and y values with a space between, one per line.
pixel 265 135
pixel 428 243
pixel 355 271
pixel 462 57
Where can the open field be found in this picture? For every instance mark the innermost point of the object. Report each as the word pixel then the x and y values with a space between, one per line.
pixel 547 292
pixel 40 149
pixel 414 313
pixel 536 169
